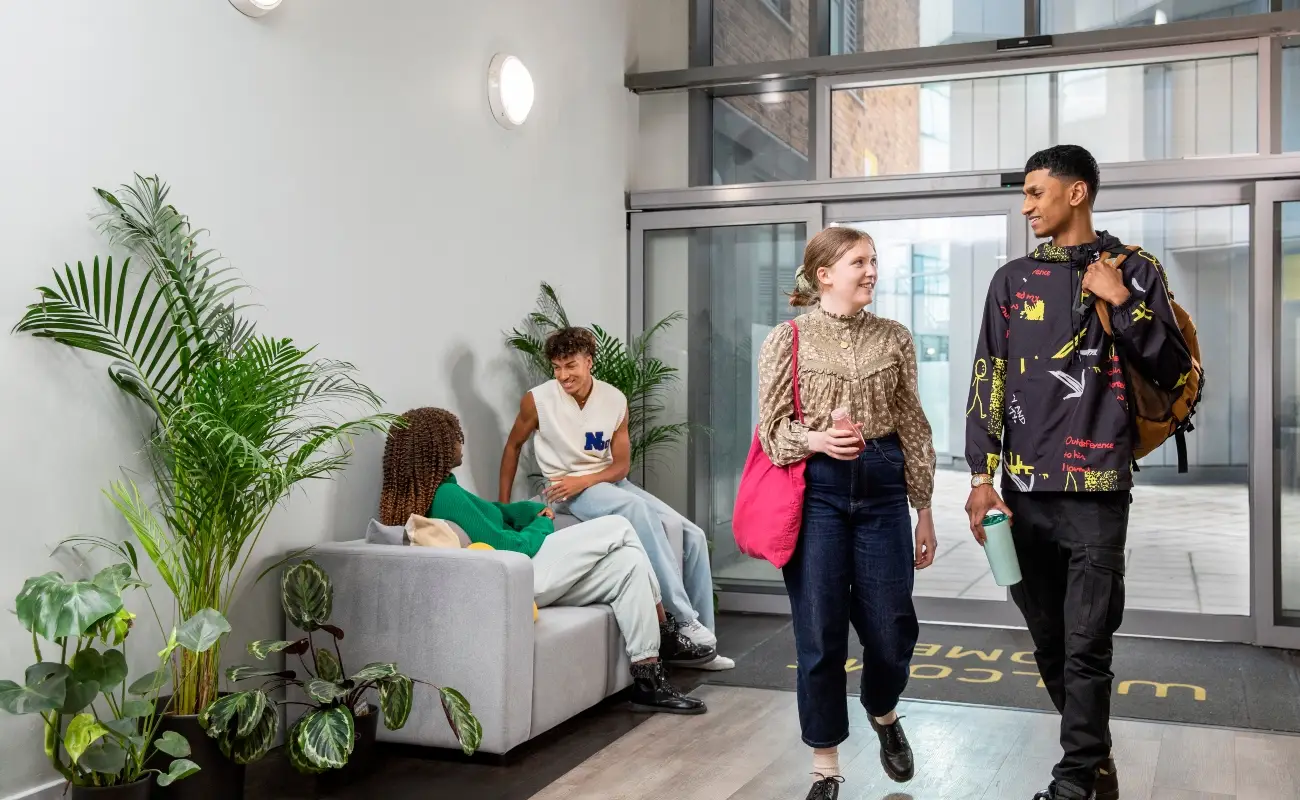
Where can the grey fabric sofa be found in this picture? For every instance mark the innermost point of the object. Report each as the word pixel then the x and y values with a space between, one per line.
pixel 464 618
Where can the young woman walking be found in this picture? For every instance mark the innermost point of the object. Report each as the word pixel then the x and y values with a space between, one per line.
pixel 855 561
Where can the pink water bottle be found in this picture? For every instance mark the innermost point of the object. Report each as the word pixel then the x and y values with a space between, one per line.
pixel 840 419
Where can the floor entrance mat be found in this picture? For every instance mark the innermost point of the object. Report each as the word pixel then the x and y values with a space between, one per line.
pixel 1204 683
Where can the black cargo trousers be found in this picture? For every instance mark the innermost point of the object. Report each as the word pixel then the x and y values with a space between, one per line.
pixel 1071 551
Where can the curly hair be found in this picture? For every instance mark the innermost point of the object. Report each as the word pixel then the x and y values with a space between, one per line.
pixel 418 457
pixel 567 342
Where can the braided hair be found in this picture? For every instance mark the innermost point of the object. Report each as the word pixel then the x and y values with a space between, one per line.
pixel 418 457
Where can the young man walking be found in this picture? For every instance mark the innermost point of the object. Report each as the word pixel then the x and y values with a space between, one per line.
pixel 1047 403
pixel 584 452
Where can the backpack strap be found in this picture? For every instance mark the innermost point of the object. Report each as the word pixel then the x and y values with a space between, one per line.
pixel 1115 261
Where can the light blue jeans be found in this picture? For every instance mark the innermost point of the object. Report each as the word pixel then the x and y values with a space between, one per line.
pixel 687 597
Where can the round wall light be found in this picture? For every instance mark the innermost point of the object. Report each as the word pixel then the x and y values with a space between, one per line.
pixel 255 8
pixel 510 90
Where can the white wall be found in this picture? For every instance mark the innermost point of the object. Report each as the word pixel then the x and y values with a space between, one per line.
pixel 343 155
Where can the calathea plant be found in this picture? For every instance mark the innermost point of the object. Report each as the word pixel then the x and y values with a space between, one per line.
pixel 245 724
pixel 99 729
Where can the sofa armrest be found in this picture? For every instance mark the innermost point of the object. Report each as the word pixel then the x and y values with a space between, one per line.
pixel 457 618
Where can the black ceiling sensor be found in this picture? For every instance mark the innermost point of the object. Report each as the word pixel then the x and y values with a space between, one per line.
pixel 1012 179
pixel 1025 42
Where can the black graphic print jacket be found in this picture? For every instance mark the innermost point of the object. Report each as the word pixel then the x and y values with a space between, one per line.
pixel 1047 396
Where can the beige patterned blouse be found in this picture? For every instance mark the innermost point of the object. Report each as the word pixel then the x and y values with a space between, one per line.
pixel 866 364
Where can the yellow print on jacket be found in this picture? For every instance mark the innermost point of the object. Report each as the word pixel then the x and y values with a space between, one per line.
pixel 1142 313
pixel 1033 310
pixel 981 375
pixel 1070 345
pixel 997 398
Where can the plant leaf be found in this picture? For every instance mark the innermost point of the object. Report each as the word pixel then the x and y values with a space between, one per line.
pixel 307 595
pixel 83 731
pixel 265 647
pixel 244 672
pixel 173 744
pixel 45 689
pixel 375 672
pixel 395 697
pixel 328 667
pixel 180 768
pixel 149 683
pixel 133 709
pixel 201 631
pixel 324 691
pixel 245 749
pixel 333 630
pixel 116 579
pixel 327 736
pixel 54 609
pixel 468 730
pixel 115 670
pixel 88 665
pixel 78 695
pixel 296 756
pixel 106 756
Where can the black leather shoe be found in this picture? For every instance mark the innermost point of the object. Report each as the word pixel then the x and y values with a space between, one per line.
pixel 895 752
pixel 677 650
pixel 652 692
pixel 1107 787
pixel 825 788
pixel 1063 792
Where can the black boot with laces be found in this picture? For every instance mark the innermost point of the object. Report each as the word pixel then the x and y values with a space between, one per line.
pixel 677 650
pixel 651 691
pixel 825 788
pixel 895 752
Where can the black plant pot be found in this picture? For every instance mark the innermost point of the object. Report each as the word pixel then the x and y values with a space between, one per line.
pixel 127 791
pixel 218 777
pixel 361 764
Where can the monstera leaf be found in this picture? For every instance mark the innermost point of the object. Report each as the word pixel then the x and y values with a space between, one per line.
pixel 45 689
pixel 326 736
pixel 173 744
pixel 307 595
pixel 83 731
pixel 462 720
pixel 180 768
pixel 395 695
pixel 54 609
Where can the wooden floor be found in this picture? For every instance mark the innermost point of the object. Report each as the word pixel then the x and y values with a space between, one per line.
pixel 747 748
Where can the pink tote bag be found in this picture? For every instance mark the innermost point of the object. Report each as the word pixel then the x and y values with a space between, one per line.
pixel 769 503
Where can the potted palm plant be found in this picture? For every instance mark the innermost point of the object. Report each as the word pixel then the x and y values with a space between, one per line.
pixel 102 733
pixel 238 419
pixel 337 732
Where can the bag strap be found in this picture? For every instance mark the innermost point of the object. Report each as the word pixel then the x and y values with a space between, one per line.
pixel 794 353
pixel 1115 261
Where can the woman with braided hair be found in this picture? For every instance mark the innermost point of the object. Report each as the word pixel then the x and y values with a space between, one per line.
pixel 599 561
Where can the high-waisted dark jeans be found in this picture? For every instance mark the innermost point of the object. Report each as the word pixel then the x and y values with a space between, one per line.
pixel 853 564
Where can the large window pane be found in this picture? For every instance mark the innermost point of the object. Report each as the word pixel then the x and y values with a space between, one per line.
pixel 929 271
pixel 1288 414
pixel 1072 16
pixel 869 26
pixel 1188 539
pixel 752 31
pixel 732 283
pixel 761 137
pixel 1168 110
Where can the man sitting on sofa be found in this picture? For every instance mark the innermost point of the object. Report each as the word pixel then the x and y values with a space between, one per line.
pixel 585 454
pixel 600 561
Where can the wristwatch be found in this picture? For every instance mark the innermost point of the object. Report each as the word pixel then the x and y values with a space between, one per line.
pixel 977 481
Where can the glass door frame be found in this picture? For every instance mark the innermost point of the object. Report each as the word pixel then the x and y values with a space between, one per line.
pixel 1266 517
pixel 746 595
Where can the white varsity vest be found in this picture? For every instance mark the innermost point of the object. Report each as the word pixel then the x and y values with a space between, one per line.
pixel 572 440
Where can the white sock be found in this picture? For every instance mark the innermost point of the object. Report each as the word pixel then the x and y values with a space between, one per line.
pixel 888 719
pixel 827 764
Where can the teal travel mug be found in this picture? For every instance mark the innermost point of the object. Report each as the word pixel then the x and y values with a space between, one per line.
pixel 1001 549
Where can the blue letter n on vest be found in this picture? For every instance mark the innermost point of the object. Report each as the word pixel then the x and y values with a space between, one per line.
pixel 596 441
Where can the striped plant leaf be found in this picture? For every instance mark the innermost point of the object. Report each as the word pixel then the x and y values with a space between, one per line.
pixel 395 696
pixel 327 736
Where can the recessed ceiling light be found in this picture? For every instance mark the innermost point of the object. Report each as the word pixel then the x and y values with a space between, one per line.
pixel 510 90
pixel 255 8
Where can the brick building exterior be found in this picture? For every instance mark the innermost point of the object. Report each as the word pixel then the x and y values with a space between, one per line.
pixel 873 132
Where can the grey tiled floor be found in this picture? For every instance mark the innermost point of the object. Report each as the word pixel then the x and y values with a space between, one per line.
pixel 1188 550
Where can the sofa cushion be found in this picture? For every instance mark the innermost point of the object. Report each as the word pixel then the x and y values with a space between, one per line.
pixel 377 533
pixel 571 658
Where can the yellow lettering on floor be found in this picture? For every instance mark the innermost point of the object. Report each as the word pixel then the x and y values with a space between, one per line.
pixel 927 650
pixel 994 675
pixel 1162 689
pixel 1041 685
pixel 960 652
pixel 939 672
pixel 1024 657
